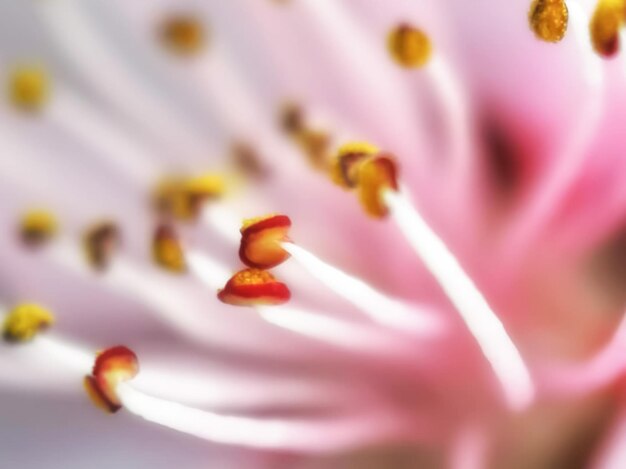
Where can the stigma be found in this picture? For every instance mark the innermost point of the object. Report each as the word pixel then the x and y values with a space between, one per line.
pixel 100 242
pixel 25 321
pixel 345 164
pixel 254 287
pixel 183 198
pixel 167 250
pixel 37 226
pixel 409 46
pixel 182 34
pixel 548 19
pixel 112 367
pixel 29 88
pixel 260 241
pixel 605 24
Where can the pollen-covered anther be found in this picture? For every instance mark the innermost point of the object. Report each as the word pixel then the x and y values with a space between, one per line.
pixel 548 19
pixel 25 321
pixel 247 161
pixel 112 366
pixel 167 250
pixel 37 226
pixel 292 119
pixel 605 24
pixel 183 197
pixel 254 287
pixel 345 164
pixel 409 46
pixel 375 175
pixel 183 34
pixel 260 241
pixel 29 87
pixel 100 243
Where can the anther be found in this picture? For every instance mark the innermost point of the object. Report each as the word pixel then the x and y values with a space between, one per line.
pixel 605 24
pixel 376 175
pixel 183 34
pixel 344 166
pixel 292 119
pixel 261 241
pixel 112 367
pixel 167 250
pixel 184 197
pixel 100 243
pixel 254 287
pixel 29 87
pixel 409 46
pixel 548 19
pixel 25 321
pixel 37 226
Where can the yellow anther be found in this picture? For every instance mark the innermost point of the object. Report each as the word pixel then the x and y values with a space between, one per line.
pixel 605 24
pixel 29 87
pixel 182 198
pixel 409 46
pixel 37 227
pixel 377 174
pixel 24 322
pixel 548 19
pixel 167 250
pixel 183 34
pixel 344 166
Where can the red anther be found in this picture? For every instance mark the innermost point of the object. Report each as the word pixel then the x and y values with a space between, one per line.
pixel 260 241
pixel 112 366
pixel 253 287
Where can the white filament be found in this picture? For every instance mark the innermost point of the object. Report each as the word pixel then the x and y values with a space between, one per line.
pixel 290 434
pixel 482 322
pixel 376 305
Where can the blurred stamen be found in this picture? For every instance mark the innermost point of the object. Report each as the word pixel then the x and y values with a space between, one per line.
pixel 483 323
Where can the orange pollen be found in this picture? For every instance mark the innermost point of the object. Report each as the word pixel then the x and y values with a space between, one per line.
pixel 112 366
pixel 376 175
pixel 183 34
pixel 345 164
pixel 409 46
pixel 254 287
pixel 548 19
pixel 604 26
pixel 260 241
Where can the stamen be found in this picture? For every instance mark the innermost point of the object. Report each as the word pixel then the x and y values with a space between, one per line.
pixel 112 367
pixel 29 87
pixel 167 250
pixel 183 34
pixel 25 321
pixel 184 197
pixel 381 308
pixel 338 434
pixel 409 46
pixel 292 119
pixel 252 287
pixel 260 241
pixel 345 164
pixel 375 176
pixel 604 27
pixel 247 161
pixel 37 227
pixel 100 243
pixel 483 323
pixel 548 19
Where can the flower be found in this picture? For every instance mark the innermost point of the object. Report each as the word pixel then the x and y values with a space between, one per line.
pixel 452 280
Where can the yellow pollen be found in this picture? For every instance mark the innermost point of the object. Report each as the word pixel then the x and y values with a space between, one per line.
pixel 605 24
pixel 253 277
pixel 344 166
pixel 183 198
pixel 24 321
pixel 29 87
pixel 254 220
pixel 183 34
pixel 408 46
pixel 548 19
pixel 37 226
pixel 168 252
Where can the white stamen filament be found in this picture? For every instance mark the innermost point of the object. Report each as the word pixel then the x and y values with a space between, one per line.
pixel 326 435
pixel 482 322
pixel 377 306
